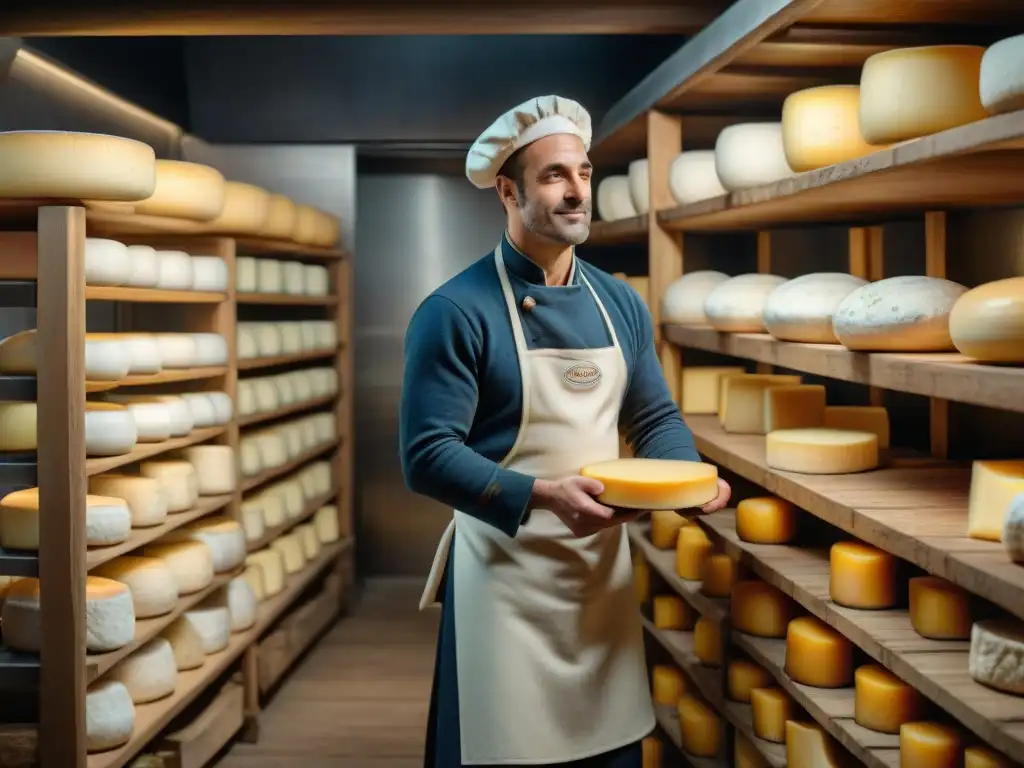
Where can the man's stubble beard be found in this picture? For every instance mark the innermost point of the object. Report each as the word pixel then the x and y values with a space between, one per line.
pixel 548 224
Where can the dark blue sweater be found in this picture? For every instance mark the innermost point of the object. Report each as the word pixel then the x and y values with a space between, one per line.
pixel 462 389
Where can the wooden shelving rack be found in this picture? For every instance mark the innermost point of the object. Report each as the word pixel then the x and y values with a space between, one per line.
pixel 740 69
pixel 42 253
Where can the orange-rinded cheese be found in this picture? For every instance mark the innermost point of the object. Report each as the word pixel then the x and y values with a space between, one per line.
pixel 883 702
pixel 766 379
pixel 744 676
pixel 707 642
pixel 794 406
pixel 760 609
pixel 744 411
pixel 745 754
pixel 993 486
pixel 860 418
pixel 983 757
pixel 700 727
pixel 808 746
pixel 642 579
pixel 820 451
pixel 817 655
pixel 692 549
pixel 654 483
pixel 672 612
pixel 665 525
pixel 771 708
pixel 667 684
pixel 651 753
pixel 765 520
pixel 930 745
pixel 861 576
pixel 939 609
pixel 987 322
pixel 720 573
pixel 701 387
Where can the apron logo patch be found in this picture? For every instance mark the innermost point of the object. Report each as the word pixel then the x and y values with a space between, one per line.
pixel 582 375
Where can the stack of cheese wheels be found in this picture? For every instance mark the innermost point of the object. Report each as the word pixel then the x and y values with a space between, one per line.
pixel 1001 84
pixel 749 155
pixel 654 483
pixel 108 520
pixel 60 165
pixel 820 127
pixel 802 308
pixel 987 322
pixel 683 301
pixel 692 177
pixel 737 305
pixel 185 191
pixel 614 200
pixel 639 185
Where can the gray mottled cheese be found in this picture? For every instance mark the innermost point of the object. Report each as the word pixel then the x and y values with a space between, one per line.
pixel 997 654
pixel 1013 529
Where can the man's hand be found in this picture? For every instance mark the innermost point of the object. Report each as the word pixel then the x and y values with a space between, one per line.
pixel 724 492
pixel 572 500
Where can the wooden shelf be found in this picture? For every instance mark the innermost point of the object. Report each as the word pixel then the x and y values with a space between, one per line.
pixel 938 669
pixel 142 451
pixel 306 457
pixel 152 295
pixel 253 363
pixel 272 608
pixel 308 511
pixel 284 249
pixel 631 230
pixel 174 375
pixel 947 376
pixel 284 299
pixel 290 410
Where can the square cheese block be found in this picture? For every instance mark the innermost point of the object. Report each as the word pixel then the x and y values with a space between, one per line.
pixel 701 387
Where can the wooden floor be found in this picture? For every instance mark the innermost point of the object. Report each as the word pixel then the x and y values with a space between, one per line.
pixel 360 698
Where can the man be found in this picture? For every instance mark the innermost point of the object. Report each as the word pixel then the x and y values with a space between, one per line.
pixel 519 371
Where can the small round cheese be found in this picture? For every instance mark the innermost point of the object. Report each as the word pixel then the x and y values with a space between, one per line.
pixel 898 314
pixel 145 496
pixel 614 200
pixel 177 350
pixel 930 745
pixel 109 429
pixel 720 572
pixel 109 716
pixel 250 462
pixel 883 702
pixel 316 280
pixel 106 262
pixel 252 520
pixel 178 479
pixel 861 576
pixel 987 322
pixel 280 221
pixel 106 359
pixel 215 468
pixel 906 93
pixel 145 266
pixel 222 406
pixel 174 271
pixel 306 223
pixel 737 305
pixel 665 525
pixel 290 549
pixel 983 757
pixel 184 191
pixel 152 417
pixel 683 301
pixel 245 274
pixel 245 210
pixel 654 483
pixel 760 609
pixel 150 673
pixel 707 642
pixel 325 521
pixel 109 616
pixel 699 727
pixel 151 581
pixel 241 604
pixel 209 273
pixel 771 709
pixel 1001 85
pixel 817 655
pixel 327 229
pixel 997 654
pixel 692 177
pixel 749 155
pixel 186 644
pixel 672 612
pixel 294 275
pixel 801 309
pixel 821 451
pixel 211 349
pixel 107 520
pixel 765 520
pixel 179 412
pixel 692 550
pixel 939 609
pixel 820 127
pixel 223 536
pixel 141 351
pixel 639 186
pixel 745 676
pixel 212 621
pixel 191 562
pixel 310 543
pixel 269 276
pixel 254 576
pixel 63 165
pixel 667 685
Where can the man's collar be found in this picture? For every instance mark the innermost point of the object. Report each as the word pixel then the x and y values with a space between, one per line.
pixel 523 267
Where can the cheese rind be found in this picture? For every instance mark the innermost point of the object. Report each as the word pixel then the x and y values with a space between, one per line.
pixel 244 211
pixel 184 190
pixel 707 642
pixel 987 322
pixel 997 654
pixel 939 609
pixel 150 673
pixel 186 644
pixel 692 177
pixel 654 483
pixel 930 745
pixel 692 548
pixel 737 305
pixel 820 451
pixel 744 677
pixel 106 358
pixel 325 522
pixel 817 655
pixel 1013 529
pixel 109 716
pixel 771 708
pixel 1001 86
pixel 671 612
pixel 760 609
pixel 820 126
pixel 151 581
pixel 667 685
pixel 107 520
pixel 994 485
pixel 701 387
pixel 794 407
pixel 683 300
pixel 765 520
pixel 700 727
pixel 860 418
pixel 614 200
pixel 749 155
pixel 883 702
pixel 190 561
pixel 861 576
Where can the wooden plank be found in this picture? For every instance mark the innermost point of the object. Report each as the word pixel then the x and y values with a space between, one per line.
pixel 664 249
pixel 631 230
pixel 911 12
pixel 947 376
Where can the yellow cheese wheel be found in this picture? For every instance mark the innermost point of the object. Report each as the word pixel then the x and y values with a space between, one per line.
pixel 745 676
pixel 305 232
pixel 671 612
pixel 244 212
pixel 760 609
pixel 654 483
pixel 280 221
pixel 692 549
pixel 906 93
pixel 817 655
pixel 983 757
pixel 745 754
pixel 700 727
pixel 185 191
pixel 327 229
pixel 860 418
pixel 939 609
pixel 861 576
pixel 771 708
pixel 665 525
pixel 720 573
pixel 642 580
pixel 993 486
pixel 794 406
pixel 667 685
pixel 765 520
pixel 807 744
pixel 987 322
pixel 820 451
pixel 707 642
pixel 883 702
pixel 930 745
pixel 821 126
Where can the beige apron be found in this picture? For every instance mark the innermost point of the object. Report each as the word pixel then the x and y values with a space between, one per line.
pixel 549 641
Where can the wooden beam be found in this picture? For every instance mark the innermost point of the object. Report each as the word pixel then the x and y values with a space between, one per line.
pixel 935 266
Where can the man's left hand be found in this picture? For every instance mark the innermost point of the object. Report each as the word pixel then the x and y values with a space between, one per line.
pixel 724 492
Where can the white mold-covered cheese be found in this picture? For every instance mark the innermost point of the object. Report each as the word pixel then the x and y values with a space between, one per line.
pixel 106 359
pixel 212 621
pixel 997 654
pixel 802 309
pixel 177 350
pixel 150 580
pixel 683 302
pixel 145 496
pixel 107 520
pixel 201 407
pixel 145 267
pixel 223 536
pixel 209 273
pixel 241 604
pixel 749 155
pixel 150 673
pixel 614 200
pixel 639 185
pixel 222 406
pixel 737 305
pixel 191 562
pixel 106 262
pixel 109 429
pixel 109 716
pixel 271 567
pixel 692 177
pixel 1001 79
pixel 211 349
pixel 174 269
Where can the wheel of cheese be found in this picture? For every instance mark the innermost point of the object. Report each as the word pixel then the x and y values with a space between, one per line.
pixel 212 621
pixel 269 276
pixel 311 546
pixel 190 561
pixel 821 451
pixel 907 93
pixel 177 350
pixel 316 280
pixel 107 520
pixel 180 414
pixel 150 673
pixel 109 716
pixel 683 301
pixel 280 222
pixel 145 267
pixel 898 314
pixel 152 418
pixel 245 274
pixel 654 483
pixel 284 384
pixel 211 349
pixel 209 273
pixel 106 262
pixel 109 429
pixel 291 494
pixel 692 177
pixel 802 308
pixel 639 185
pixel 151 581
pixel 245 341
pixel 820 126
pixel 326 334
pixel 322 473
pixel 273 509
pixel 106 358
pixel 294 274
pixel 186 644
pixel 141 350
pixel 271 566
pixel 245 210
pixel 309 335
pixel 997 645
pixel 290 549
pixel 177 479
pixel 222 406
pixel 224 537
pixel 291 337
pixel 987 322
pixel 1001 82
pixel 749 155
pixel 204 415
pixel 614 200
pixel 737 305
pixel 241 604
pixel 109 616
pixel 61 165
pixel 328 230
pixel 145 496
pixel 184 191
pixel 254 576
pixel 305 232
pixel 174 271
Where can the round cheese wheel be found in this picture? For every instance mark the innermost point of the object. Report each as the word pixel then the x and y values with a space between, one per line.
pixel 614 200
pixel 749 155
pixel 987 322
pixel 151 581
pixel 177 350
pixel 62 165
pixel 271 567
pixel 692 177
pixel 821 451
pixel 107 520
pixel 269 276
pixel 245 274
pixel 224 537
pixel 106 357
pixel 212 621
pixel 273 509
pixel 820 127
pixel 245 210
pixel 152 418
pixel 109 429
pixel 211 349
pixel 241 604
pixel 290 549
pixel 683 302
pixel 802 308
pixel 306 219
pixel 179 482
pixel 254 576
pixel 190 561
pixel 204 414
pixel 906 93
pixel 141 350
pixel 294 275
pixel 184 191
pixel 654 483
pixel 898 314
pixel 179 412
pixel 222 406
pixel 280 222
pixel 1001 81
pixel 174 271
pixel 145 497
pixel 186 644
pixel 996 645
pixel 737 305
pixel 639 185
pixel 209 273
pixel 252 520
pixel 250 462
pixel 328 229
pixel 145 267
pixel 316 280
pixel 106 262
pixel 109 716
pixel 150 673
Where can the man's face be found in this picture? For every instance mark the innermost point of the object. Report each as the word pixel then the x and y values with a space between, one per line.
pixel 556 202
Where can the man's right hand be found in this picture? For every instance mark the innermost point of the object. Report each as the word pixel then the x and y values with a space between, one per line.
pixel 572 500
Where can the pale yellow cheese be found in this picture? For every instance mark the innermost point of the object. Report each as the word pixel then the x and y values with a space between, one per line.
pixel 818 655
pixel 667 685
pixel 186 191
pixel 701 387
pixel 860 418
pixel 794 407
pixel 107 520
pixel 883 702
pixel 808 746
pixel 692 548
pixel 821 451
pixel 290 549
pixel 186 643
pixel 765 520
pixel 820 126
pixel 930 745
pixel 665 525
pixel 151 581
pixel 144 496
pixel 671 612
pixel 771 708
pixel 654 483
pixel 178 479
pixel 707 642
pixel 861 576
pixel 306 223
pixel 987 322
pixel 254 575
pixel 191 562
pixel 939 609
pixel 745 676
pixel 760 609
pixel 244 212
pixel 700 727
pixel 107 358
pixel 271 565
pixel 280 221
pixel 993 486
pixel 746 416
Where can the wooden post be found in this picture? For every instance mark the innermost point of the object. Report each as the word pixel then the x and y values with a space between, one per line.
pixel 342 275
pixel 935 266
pixel 867 260
pixel 764 267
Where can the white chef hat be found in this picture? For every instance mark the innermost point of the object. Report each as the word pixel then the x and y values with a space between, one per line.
pixel 522 125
